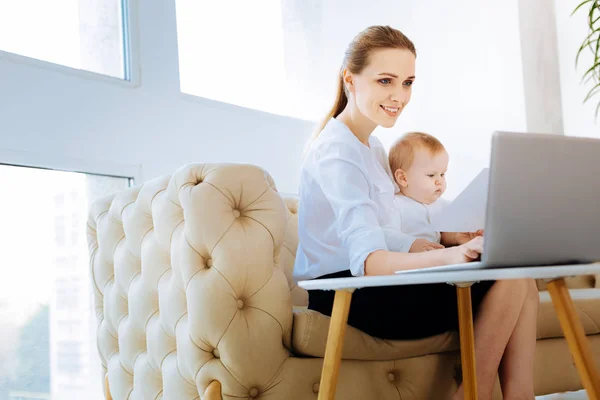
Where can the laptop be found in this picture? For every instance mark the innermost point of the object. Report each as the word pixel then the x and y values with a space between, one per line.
pixel 543 203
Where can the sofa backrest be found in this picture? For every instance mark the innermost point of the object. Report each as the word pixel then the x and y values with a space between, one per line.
pixel 189 276
pixel 288 253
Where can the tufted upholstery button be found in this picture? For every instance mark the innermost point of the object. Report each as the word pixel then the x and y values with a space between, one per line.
pixel 197 309
pixel 391 377
pixel 240 304
pixel 316 387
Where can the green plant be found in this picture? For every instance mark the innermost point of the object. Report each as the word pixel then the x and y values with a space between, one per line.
pixel 591 42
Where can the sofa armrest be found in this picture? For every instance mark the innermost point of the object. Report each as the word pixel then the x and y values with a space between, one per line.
pixel 187 287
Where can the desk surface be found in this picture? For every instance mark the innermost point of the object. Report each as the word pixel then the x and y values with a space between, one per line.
pixel 417 278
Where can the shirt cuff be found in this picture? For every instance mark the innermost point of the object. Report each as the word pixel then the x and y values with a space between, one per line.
pixel 362 245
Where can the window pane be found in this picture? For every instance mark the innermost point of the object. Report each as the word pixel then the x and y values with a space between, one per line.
pixel 225 54
pixel 83 34
pixel 278 56
pixel 48 348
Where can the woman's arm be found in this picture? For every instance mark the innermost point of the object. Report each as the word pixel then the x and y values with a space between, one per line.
pixel 344 182
pixel 382 262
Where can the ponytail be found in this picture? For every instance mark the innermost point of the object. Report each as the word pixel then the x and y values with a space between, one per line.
pixel 341 100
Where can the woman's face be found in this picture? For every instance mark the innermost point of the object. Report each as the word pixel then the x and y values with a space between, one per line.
pixel 383 88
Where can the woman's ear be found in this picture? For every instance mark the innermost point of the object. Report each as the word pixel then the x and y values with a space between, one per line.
pixel 348 80
pixel 401 178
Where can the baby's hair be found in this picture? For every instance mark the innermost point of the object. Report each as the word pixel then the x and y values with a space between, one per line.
pixel 402 151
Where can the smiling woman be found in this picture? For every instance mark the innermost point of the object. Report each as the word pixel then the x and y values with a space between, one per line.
pixel 380 96
pixel 347 226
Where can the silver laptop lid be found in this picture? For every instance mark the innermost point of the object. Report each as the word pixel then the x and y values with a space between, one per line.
pixel 544 200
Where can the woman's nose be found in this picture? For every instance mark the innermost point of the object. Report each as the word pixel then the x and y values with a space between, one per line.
pixel 400 96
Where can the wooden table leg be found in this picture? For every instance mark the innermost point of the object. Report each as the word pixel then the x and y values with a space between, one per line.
pixel 335 344
pixel 467 341
pixel 576 338
pixel 213 391
pixel 107 388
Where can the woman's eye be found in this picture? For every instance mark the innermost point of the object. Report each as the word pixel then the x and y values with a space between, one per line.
pixel 443 175
pixel 385 81
pixel 430 175
pixel 408 83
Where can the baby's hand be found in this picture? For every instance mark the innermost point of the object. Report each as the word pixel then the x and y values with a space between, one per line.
pixel 465 237
pixel 420 245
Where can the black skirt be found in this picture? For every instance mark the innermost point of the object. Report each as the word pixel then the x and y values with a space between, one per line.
pixel 400 312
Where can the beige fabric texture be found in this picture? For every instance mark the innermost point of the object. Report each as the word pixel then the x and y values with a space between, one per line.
pixel 192 277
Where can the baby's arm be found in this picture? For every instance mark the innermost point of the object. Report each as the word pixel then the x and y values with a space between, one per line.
pixel 457 238
pixel 449 239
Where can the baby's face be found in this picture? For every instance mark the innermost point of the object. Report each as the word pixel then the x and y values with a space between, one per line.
pixel 425 180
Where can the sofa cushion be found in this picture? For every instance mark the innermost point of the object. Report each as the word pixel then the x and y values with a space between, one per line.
pixel 310 332
pixel 587 304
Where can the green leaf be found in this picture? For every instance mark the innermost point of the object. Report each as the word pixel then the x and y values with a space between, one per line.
pixel 580 5
pixel 596 55
pixel 591 70
pixel 587 80
pixel 592 41
pixel 593 91
pixel 587 42
pixel 593 8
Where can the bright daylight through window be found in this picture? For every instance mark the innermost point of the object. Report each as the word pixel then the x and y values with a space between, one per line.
pixel 48 347
pixel 269 55
pixel 83 34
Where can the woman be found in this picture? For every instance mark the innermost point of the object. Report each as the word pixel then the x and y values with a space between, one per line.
pixel 346 229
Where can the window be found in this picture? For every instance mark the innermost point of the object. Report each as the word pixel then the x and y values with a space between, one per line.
pixel 278 56
pixel 48 347
pixel 82 34
pixel 225 54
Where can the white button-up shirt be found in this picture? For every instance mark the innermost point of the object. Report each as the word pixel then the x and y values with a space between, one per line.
pixel 415 217
pixel 346 208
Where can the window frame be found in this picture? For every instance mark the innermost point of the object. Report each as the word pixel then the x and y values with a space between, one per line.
pixel 70 164
pixel 130 45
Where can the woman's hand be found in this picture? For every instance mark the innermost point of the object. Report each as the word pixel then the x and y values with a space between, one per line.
pixel 420 245
pixel 466 252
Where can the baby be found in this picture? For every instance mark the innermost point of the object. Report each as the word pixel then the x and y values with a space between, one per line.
pixel 419 162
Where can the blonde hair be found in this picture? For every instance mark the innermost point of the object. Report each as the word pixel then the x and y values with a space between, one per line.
pixel 402 152
pixel 356 59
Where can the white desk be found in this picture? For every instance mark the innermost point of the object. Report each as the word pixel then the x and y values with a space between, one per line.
pixel 563 304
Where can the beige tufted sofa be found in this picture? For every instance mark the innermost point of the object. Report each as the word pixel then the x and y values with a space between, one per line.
pixel 192 280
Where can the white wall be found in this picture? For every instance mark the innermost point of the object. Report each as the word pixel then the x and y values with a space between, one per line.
pixel 571 31
pixel 469 83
